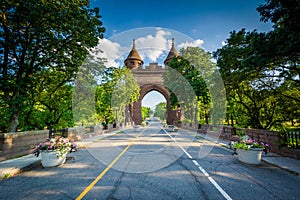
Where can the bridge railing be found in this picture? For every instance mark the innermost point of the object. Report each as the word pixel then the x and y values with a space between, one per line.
pixel 283 143
pixel 291 139
pixel 23 143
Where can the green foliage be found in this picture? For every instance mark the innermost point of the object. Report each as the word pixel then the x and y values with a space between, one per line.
pixel 284 39
pixel 7 175
pixel 195 66
pixel 118 90
pixel 145 112
pixel 240 132
pixel 160 111
pixel 241 146
pixel 261 70
pixel 247 143
pixel 45 40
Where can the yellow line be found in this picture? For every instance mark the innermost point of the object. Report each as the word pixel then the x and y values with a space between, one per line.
pixel 88 188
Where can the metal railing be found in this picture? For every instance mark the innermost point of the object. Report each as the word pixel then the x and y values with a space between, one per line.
pixel 291 139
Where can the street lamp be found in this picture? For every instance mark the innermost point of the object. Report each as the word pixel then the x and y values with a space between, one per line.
pixel 116 120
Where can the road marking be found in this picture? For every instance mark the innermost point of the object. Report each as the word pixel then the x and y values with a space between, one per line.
pixel 186 153
pixel 217 186
pixel 88 188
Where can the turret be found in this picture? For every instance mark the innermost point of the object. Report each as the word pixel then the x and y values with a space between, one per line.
pixel 133 59
pixel 172 53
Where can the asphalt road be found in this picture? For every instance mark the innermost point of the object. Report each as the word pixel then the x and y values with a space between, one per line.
pixel 151 163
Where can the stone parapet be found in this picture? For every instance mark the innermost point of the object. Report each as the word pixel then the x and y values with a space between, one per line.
pixel 266 136
pixel 22 143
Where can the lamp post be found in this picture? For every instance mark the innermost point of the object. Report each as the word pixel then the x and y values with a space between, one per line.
pixel 116 120
pixel 195 115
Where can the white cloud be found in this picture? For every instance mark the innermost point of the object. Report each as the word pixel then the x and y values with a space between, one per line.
pixel 195 43
pixel 223 43
pixel 152 47
pixel 110 51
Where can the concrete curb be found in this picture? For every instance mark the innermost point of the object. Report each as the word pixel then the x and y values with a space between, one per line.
pixel 15 166
pixel 290 165
pixel 12 167
pixel 291 169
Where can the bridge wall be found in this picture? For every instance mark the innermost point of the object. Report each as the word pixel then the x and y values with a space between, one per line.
pixel 22 143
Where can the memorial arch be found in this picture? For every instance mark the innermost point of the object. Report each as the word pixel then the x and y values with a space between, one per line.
pixel 150 78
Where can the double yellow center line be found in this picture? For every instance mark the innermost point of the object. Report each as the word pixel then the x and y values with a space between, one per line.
pixel 88 188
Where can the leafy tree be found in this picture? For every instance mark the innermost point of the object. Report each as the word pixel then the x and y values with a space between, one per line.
pixel 87 80
pixel 160 111
pixel 103 103
pixel 145 112
pixel 281 45
pixel 195 66
pixel 284 39
pixel 261 70
pixel 118 90
pixel 37 37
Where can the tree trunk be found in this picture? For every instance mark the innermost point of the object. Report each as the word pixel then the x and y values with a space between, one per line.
pixel 231 119
pixel 207 118
pixel 13 123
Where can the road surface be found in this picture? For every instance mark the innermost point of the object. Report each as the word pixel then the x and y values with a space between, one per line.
pixel 152 163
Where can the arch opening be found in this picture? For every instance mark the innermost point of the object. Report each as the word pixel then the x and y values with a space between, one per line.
pixel 154 100
pixel 171 117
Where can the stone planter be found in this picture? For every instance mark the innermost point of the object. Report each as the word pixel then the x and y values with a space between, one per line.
pixel 252 156
pixel 50 159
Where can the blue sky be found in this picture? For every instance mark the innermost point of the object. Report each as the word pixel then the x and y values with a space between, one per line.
pixel 208 20
pixel 206 24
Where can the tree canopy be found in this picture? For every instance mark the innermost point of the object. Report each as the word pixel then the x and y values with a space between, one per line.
pixel 118 90
pixel 261 70
pixel 160 111
pixel 195 67
pixel 42 43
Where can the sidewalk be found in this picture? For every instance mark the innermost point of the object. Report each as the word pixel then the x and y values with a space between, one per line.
pixel 9 168
pixel 12 167
pixel 289 164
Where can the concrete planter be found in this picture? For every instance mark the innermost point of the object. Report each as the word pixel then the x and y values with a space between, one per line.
pixel 50 159
pixel 252 156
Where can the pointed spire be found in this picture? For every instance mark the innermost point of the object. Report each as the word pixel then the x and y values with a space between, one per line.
pixel 133 44
pixel 172 53
pixel 173 43
pixel 133 59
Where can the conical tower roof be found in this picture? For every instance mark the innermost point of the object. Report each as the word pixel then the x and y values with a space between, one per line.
pixel 172 53
pixel 133 56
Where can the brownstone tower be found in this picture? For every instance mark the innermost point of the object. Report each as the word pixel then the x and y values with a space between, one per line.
pixel 149 79
pixel 172 53
pixel 133 59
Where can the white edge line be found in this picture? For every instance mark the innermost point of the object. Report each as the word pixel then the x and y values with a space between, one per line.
pixel 195 162
pixel 188 155
pixel 217 186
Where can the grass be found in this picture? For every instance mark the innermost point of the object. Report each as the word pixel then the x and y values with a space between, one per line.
pixel 8 175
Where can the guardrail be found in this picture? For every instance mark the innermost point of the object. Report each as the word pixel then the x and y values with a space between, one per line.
pixel 291 139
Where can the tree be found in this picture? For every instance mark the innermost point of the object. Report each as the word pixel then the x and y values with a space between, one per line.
pixel 261 70
pixel 281 45
pixel 145 112
pixel 118 90
pixel 195 66
pixel 160 111
pixel 37 37
pixel 87 80
pixel 284 14
pixel 200 75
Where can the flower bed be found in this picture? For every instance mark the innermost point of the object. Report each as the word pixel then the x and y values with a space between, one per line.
pixel 59 145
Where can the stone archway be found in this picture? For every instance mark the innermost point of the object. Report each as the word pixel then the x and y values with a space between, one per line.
pixel 150 78
pixel 136 112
